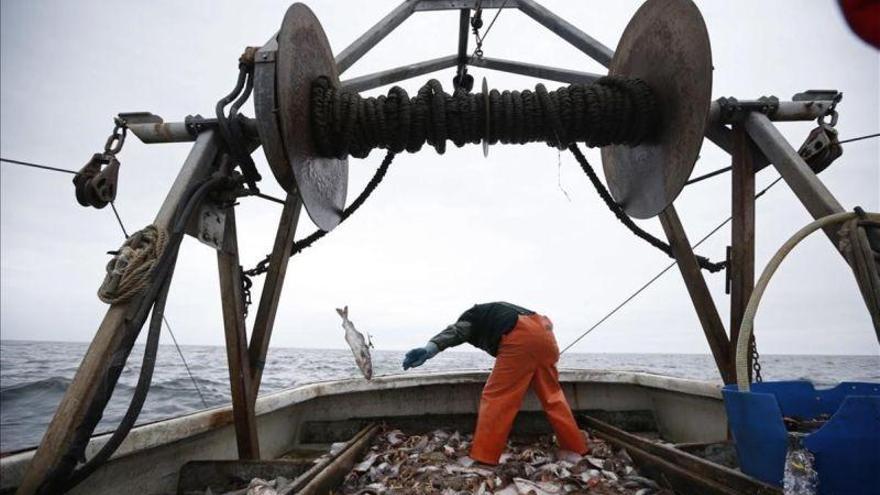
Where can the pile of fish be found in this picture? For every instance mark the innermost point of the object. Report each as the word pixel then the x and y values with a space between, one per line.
pixel 438 463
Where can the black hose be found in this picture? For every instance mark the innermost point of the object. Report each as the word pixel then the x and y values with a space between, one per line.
pixel 135 319
pixel 139 397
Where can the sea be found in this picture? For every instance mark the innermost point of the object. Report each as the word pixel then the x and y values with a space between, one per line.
pixel 34 376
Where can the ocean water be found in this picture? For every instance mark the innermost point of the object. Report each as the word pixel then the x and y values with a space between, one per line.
pixel 34 376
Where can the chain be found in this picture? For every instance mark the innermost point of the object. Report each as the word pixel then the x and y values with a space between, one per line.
pixel 95 183
pixel 832 112
pixel 117 137
pixel 705 263
pixel 263 266
pixel 476 25
pixel 246 284
pixel 246 281
pixel 756 363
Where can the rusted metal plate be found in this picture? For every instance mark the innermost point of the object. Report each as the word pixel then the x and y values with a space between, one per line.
pixel 303 55
pixel 665 44
pixel 209 225
pixel 265 106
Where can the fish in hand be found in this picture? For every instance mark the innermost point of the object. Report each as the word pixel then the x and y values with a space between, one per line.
pixel 359 346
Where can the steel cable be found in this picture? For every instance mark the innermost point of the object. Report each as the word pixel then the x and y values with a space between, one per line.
pixel 664 270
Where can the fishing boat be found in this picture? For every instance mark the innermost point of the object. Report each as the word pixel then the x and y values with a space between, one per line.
pixel 650 115
pixel 310 417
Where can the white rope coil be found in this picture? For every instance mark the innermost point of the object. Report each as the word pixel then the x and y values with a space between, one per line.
pixel 128 273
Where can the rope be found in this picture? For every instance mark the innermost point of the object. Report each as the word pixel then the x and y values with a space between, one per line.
pixel 615 208
pixel 655 277
pixel 708 175
pixel 130 270
pixel 747 327
pixel 347 212
pixel 867 136
pixel 36 165
pixel 610 111
pixel 728 169
pixel 297 247
pixel 183 359
pixel 167 323
pixel 125 233
pixel 118 219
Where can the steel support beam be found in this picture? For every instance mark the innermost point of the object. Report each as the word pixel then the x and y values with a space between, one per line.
pixel 397 74
pixel 181 132
pixel 426 5
pixel 235 330
pixel 742 252
pixel 533 70
pixel 368 40
pixel 463 27
pixel 787 111
pixel 794 170
pixel 699 292
pixel 88 381
pixel 268 308
pixel 567 31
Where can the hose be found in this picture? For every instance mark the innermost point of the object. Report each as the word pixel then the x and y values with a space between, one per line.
pixel 747 327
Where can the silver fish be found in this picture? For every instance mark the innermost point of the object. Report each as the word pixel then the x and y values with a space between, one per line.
pixel 359 346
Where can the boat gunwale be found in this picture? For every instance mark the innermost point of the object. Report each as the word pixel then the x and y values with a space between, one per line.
pixel 166 431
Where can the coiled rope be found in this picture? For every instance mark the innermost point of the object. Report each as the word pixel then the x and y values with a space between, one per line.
pixel 129 272
pixel 610 111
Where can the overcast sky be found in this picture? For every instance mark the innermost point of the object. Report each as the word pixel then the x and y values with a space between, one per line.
pixel 442 232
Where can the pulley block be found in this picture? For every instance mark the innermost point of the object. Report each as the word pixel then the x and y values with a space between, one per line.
pixel 95 183
pixel 821 148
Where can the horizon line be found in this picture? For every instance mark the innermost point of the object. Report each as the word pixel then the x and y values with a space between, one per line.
pixel 463 350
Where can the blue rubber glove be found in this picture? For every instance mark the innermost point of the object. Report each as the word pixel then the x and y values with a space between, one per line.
pixel 419 355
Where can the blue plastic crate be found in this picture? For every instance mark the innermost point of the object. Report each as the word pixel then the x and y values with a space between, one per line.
pixel 846 448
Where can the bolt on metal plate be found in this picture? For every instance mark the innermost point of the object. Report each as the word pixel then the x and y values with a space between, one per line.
pixel 209 225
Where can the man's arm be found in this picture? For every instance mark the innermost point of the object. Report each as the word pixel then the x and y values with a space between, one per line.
pixel 455 334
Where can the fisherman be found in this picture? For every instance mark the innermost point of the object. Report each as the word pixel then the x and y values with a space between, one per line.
pixel 526 353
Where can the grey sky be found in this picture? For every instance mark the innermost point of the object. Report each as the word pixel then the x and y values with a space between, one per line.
pixel 442 232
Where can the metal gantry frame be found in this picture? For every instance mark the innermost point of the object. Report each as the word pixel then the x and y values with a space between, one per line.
pixel 751 138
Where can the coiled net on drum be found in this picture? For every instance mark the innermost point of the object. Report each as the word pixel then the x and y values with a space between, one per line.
pixel 612 110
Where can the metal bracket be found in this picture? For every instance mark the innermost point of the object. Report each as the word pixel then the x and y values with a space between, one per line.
pixel 818 95
pixel 733 110
pixel 209 226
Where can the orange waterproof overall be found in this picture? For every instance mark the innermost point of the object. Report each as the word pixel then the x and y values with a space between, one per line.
pixel 527 355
